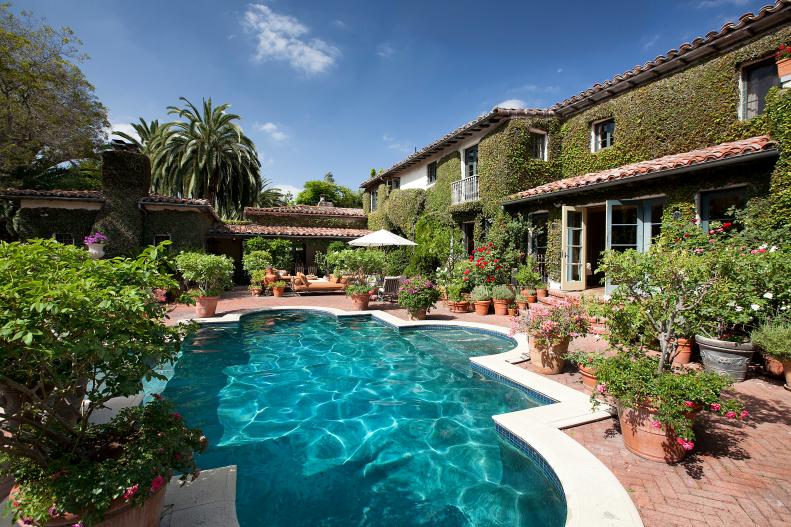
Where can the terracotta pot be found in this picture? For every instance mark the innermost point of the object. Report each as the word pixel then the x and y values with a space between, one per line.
pixel 783 68
pixel 683 351
pixel 773 366
pixel 642 439
pixel 278 291
pixel 548 360
pixel 482 307
pixel 361 301
pixel 522 306
pixel 532 299
pixel 588 376
pixel 500 307
pixel 512 311
pixel 206 306
pixel 417 314
pixel 256 291
pixel 121 514
pixel 459 307
pixel 525 292
pixel 541 293
pixel 787 373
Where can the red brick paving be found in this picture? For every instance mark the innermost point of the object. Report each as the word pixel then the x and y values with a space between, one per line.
pixel 738 474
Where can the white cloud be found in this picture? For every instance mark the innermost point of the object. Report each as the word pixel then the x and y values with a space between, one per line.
pixel 560 70
pixel 399 146
pixel 288 188
pixel 272 130
pixel 339 23
pixel 283 37
pixel 512 103
pixel 385 50
pixel 648 42
pixel 705 4
pixel 121 127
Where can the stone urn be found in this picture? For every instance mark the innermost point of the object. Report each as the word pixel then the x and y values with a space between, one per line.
pixel 725 357
pixel 96 250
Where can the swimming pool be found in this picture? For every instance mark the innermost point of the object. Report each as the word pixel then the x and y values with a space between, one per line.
pixel 349 421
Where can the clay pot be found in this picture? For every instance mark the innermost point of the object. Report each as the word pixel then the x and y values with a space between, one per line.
pixel 361 301
pixel 512 312
pixel 525 292
pixel 500 307
pixel 532 299
pixel 121 514
pixel 588 376
pixel 256 291
pixel 683 350
pixel 541 293
pixel 787 373
pixel 278 291
pixel 522 306
pixel 459 307
pixel 417 314
pixel 206 306
pixel 642 439
pixel 783 68
pixel 548 360
pixel 773 366
pixel 482 307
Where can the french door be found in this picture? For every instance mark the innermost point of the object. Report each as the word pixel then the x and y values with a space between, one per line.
pixel 632 224
pixel 572 266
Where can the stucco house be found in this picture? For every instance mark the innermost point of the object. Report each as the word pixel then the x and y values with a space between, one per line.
pixel 688 134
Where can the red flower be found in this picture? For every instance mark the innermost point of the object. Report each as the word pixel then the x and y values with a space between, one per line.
pixel 156 484
pixel 466 271
pixel 471 258
pixel 689 404
pixel 496 260
pixel 727 225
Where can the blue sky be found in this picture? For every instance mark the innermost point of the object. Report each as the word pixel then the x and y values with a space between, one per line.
pixel 344 86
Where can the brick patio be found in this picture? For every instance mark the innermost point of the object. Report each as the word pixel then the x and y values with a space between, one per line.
pixel 739 474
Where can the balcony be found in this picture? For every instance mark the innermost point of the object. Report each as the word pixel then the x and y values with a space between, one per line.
pixel 464 190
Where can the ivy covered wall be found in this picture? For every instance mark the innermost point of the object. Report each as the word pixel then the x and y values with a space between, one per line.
pixel 310 220
pixel 403 208
pixel 45 222
pixel 187 229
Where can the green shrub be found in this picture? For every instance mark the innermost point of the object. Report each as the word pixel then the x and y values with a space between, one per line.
pixel 480 293
pixel 423 263
pixel 210 273
pixel 527 276
pixel 397 260
pixel 456 292
pixel 502 292
pixel 282 251
pixel 774 339
pixel 357 262
pixel 257 277
pixel 256 260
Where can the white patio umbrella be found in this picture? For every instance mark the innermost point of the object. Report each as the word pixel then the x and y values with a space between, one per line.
pixel 380 238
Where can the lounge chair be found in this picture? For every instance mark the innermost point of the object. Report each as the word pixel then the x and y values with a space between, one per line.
pixel 389 290
pixel 301 284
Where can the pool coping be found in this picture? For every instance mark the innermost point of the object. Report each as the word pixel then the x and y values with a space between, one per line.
pixel 594 496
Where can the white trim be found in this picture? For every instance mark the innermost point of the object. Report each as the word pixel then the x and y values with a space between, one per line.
pixel 594 496
pixel 742 102
pixel 593 134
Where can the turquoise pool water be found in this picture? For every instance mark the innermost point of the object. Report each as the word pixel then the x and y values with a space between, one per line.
pixel 341 422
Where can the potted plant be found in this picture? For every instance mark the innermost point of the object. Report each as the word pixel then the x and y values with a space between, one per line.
pixel 484 266
pixel 550 330
pixel 360 294
pixel 683 350
pixel 68 470
pixel 783 60
pixel 521 301
pixel 278 287
pixel 481 296
pixel 95 243
pixel 418 295
pixel 541 290
pixel 774 340
pixel 512 311
pixel 456 299
pixel 657 408
pixel 502 296
pixel 532 297
pixel 587 363
pixel 210 273
pixel 527 277
pixel 257 261
pixel 257 278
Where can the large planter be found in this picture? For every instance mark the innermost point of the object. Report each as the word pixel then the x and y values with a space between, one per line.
pixel 278 291
pixel 787 373
pixel 206 306
pixel 96 250
pixel 541 293
pixel 482 307
pixel 417 314
pixel 500 306
pixel 458 307
pixel 548 360
pixel 360 302
pixel 683 351
pixel 522 306
pixel 641 438
pixel 773 366
pixel 588 376
pixel 725 357
pixel 121 514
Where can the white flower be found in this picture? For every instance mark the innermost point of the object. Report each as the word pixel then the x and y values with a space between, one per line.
pixel 755 307
pixel 773 248
pixel 739 309
pixel 768 295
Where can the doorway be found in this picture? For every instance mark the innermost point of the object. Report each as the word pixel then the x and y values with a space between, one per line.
pixel 596 244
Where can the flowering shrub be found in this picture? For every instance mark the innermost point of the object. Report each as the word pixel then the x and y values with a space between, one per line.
pixel 636 381
pixel 486 268
pixel 127 459
pixel 418 293
pixel 96 237
pixel 783 52
pixel 550 325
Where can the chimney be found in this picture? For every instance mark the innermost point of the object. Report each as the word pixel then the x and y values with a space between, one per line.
pixel 323 202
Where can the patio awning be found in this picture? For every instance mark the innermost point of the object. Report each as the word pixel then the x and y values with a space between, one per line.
pixel 380 238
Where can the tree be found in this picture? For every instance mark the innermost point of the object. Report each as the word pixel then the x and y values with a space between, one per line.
pixel 206 155
pixel 48 110
pixel 270 196
pixel 338 194
pixel 152 135
pixel 329 178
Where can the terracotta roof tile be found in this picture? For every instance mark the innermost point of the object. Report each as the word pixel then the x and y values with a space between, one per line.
pixel 157 198
pixel 670 162
pixel 288 230
pixel 312 210
pixel 94 195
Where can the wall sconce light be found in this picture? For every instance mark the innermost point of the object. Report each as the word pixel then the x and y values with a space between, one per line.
pixel 676 214
pixel 557 204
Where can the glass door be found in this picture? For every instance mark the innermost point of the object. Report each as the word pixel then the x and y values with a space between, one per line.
pixel 572 268
pixel 632 224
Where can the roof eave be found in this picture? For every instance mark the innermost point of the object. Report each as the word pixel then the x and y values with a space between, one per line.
pixel 750 156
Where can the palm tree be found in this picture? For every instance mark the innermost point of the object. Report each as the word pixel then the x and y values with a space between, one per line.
pixel 206 155
pixel 152 135
pixel 270 196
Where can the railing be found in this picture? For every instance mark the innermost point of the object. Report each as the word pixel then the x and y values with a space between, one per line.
pixel 310 269
pixel 541 265
pixel 464 190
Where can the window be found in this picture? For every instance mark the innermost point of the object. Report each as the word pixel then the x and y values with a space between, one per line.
pixel 394 183
pixel 471 161
pixel 159 238
pixel 538 146
pixel 468 230
pixel 602 135
pixel 66 238
pixel 431 172
pixel 757 78
pixel 537 242
pixel 716 205
pixel 374 199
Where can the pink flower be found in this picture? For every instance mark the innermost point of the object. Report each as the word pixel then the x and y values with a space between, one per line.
pixel 716 407
pixel 156 484
pixel 711 231
pixel 601 388
pixel 754 251
pixel 689 404
pixel 131 491
pixel 53 512
pixel 712 240
pixel 745 414
pixel 176 415
pixel 761 250
pixel 656 424
pixel 731 415
pixel 686 445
